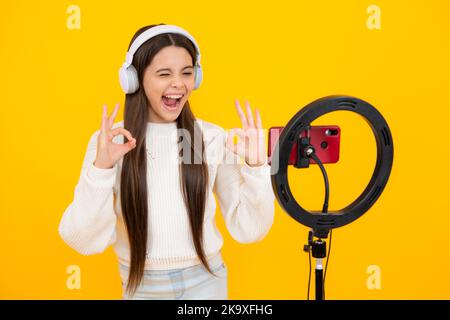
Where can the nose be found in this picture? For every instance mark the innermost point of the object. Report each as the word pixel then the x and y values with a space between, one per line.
pixel 176 82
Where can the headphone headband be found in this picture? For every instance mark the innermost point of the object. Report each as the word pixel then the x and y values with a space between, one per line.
pixel 154 31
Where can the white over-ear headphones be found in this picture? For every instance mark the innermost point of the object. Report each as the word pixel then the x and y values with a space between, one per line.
pixel 128 76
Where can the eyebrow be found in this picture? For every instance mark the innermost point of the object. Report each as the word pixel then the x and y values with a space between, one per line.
pixel 168 69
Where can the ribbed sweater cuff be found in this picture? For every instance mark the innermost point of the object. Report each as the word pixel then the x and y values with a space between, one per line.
pixel 101 178
pixel 262 170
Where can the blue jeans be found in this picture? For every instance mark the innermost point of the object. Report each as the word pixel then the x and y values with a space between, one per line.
pixel 191 283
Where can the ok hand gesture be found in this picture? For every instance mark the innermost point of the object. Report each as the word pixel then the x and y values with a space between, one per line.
pixel 108 152
pixel 251 144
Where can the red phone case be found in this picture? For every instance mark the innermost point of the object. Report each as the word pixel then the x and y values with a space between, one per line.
pixel 318 137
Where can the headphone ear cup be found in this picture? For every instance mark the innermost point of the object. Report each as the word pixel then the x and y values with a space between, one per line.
pixel 198 77
pixel 129 79
pixel 132 79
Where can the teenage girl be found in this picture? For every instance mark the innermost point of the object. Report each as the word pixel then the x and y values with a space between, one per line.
pixel 159 212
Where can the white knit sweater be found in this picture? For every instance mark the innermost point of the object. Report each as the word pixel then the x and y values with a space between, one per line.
pixel 94 220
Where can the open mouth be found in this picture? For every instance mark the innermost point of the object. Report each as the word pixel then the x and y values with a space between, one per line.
pixel 172 102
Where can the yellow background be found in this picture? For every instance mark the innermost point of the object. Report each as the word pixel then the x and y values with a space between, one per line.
pixel 279 55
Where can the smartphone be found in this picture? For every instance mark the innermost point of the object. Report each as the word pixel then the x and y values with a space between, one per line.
pixel 325 140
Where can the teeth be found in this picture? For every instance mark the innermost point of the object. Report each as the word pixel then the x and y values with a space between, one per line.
pixel 174 96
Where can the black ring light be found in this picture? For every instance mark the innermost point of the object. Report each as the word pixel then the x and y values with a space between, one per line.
pixel 300 122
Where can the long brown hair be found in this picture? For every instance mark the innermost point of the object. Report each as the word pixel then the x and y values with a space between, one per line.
pixel 133 186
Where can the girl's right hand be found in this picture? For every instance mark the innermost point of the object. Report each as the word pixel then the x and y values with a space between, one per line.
pixel 108 152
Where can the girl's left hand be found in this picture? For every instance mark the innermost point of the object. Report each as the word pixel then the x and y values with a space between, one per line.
pixel 251 145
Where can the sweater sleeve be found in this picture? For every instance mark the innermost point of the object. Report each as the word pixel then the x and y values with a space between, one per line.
pixel 88 223
pixel 245 197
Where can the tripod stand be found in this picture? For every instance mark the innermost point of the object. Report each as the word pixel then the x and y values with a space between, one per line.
pixel 318 249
